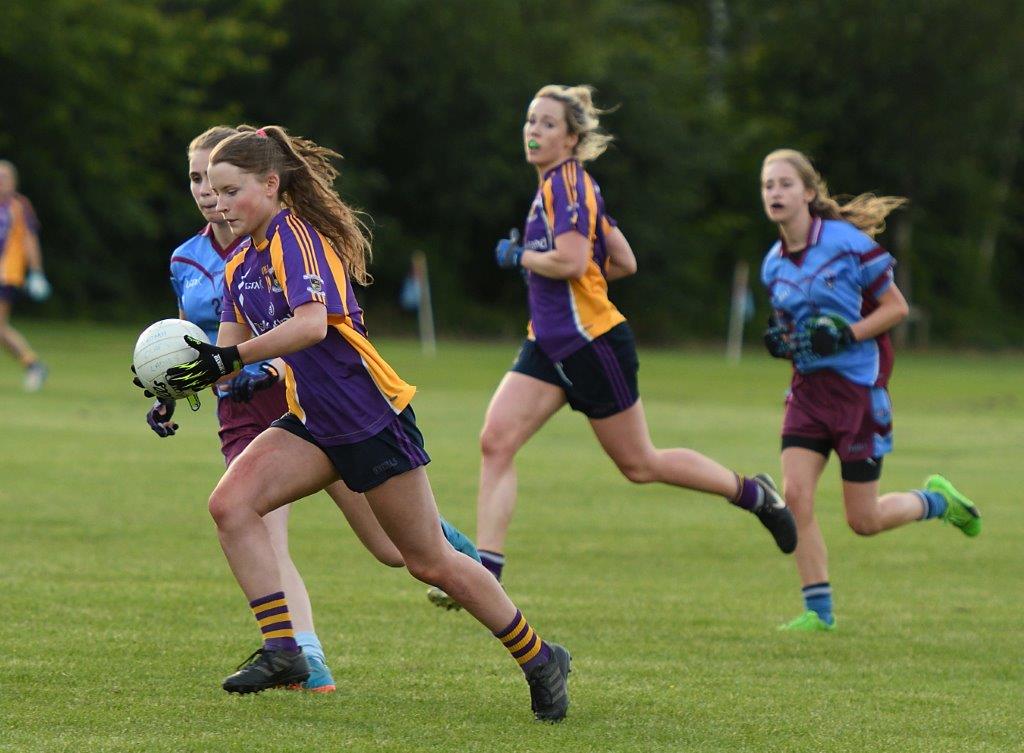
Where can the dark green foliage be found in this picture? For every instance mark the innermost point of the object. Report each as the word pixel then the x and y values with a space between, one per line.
pixel 426 101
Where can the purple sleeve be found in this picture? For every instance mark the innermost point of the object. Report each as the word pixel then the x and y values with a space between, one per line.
pixel 567 207
pixel 308 273
pixel 228 310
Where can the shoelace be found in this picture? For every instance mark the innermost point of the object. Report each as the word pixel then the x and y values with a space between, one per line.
pixel 248 661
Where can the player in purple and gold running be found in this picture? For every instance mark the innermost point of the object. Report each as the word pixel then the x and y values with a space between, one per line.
pixel 21 267
pixel 579 349
pixel 255 398
pixel 288 293
pixel 833 303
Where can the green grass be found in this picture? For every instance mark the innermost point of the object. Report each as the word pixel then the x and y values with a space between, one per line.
pixel 122 618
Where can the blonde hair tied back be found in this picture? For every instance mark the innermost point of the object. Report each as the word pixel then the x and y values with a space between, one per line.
pixel 866 211
pixel 582 117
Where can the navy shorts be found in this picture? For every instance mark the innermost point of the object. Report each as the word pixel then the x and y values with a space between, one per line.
pixel 9 293
pixel 395 450
pixel 599 379
pixel 824 410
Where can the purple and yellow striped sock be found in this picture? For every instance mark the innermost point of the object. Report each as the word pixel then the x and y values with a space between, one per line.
pixel 523 643
pixel 271 612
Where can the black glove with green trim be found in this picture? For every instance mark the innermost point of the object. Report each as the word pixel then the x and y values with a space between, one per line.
pixel 829 334
pixel 212 364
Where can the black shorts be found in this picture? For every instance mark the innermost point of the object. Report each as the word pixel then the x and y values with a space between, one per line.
pixel 398 448
pixel 599 379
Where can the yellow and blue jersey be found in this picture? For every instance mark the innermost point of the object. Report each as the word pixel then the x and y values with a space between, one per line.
pixel 340 388
pixel 17 222
pixel 565 315
pixel 841 271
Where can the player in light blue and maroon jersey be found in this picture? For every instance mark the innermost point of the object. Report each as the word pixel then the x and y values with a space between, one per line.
pixel 21 267
pixel 288 293
pixel 833 303
pixel 255 398
pixel 579 349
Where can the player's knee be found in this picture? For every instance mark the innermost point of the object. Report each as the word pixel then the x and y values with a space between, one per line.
pixel 636 469
pixel 494 443
pixel 863 526
pixel 389 559
pixel 425 569
pixel 224 508
pixel 799 498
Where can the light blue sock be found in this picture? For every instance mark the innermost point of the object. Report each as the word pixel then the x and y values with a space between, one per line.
pixel 460 541
pixel 310 644
pixel 934 504
pixel 818 599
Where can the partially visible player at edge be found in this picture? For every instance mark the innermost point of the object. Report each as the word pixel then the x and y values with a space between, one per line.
pixel 579 348
pixel 288 293
pixel 21 267
pixel 834 302
pixel 253 399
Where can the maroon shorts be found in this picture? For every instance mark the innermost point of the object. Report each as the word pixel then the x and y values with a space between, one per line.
pixel 854 420
pixel 240 423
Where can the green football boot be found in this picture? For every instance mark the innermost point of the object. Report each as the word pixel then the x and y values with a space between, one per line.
pixel 960 511
pixel 809 622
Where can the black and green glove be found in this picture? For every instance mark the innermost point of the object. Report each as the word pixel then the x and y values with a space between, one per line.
pixel 211 365
pixel 827 335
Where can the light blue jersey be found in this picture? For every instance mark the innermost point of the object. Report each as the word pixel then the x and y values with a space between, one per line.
pixel 197 276
pixel 841 271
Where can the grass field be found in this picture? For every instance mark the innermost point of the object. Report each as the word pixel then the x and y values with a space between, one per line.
pixel 122 617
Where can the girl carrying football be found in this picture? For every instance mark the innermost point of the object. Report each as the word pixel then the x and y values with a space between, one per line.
pixel 288 293
pixel 253 399
pixel 579 349
pixel 834 302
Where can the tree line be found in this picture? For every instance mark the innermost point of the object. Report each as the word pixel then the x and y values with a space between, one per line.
pixel 426 99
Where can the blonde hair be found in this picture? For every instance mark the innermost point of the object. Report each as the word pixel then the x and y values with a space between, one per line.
pixel 307 187
pixel 209 138
pixel 866 212
pixel 582 118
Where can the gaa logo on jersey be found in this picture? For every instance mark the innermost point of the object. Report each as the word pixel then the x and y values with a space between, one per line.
pixel 316 284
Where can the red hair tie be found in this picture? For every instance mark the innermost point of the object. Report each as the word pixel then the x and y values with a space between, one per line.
pixel 261 133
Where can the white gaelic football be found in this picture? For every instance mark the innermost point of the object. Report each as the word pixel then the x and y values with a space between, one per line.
pixel 161 346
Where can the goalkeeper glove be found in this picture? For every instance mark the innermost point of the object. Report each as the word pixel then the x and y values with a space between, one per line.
pixel 508 253
pixel 828 335
pixel 777 338
pixel 37 286
pixel 211 365
pixel 248 382
pixel 159 417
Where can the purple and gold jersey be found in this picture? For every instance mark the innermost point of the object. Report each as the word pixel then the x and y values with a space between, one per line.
pixel 841 271
pixel 197 276
pixel 567 314
pixel 17 220
pixel 340 388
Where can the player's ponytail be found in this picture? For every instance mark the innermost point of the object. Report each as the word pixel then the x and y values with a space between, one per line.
pixel 307 177
pixel 866 212
pixel 582 117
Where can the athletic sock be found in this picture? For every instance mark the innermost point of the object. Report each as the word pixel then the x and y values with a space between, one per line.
pixel 493 561
pixel 271 612
pixel 933 504
pixel 748 495
pixel 523 643
pixel 818 599
pixel 310 644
